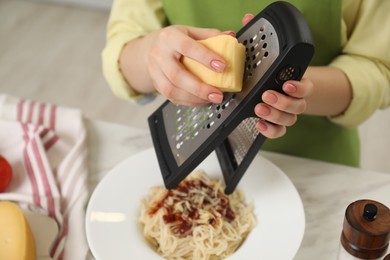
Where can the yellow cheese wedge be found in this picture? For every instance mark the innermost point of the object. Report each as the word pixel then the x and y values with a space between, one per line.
pixel 232 52
pixel 16 239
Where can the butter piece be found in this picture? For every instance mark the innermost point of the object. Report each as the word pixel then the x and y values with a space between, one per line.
pixel 16 239
pixel 232 52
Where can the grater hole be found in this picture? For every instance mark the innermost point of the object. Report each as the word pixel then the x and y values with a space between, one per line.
pixel 266 54
pixel 264 45
pixel 287 73
pixel 245 42
pixel 262 28
pixel 263 37
pixel 209 125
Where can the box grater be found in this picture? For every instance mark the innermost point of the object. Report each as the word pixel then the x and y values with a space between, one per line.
pixel 278 48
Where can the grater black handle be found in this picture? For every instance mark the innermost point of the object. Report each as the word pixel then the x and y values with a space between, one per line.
pixel 231 170
pixel 160 142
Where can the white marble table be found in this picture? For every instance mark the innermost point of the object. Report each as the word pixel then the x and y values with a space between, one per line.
pixel 325 189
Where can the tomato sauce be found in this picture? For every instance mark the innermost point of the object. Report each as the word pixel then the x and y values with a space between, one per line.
pixel 184 205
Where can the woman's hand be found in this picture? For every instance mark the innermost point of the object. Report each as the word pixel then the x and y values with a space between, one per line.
pixel 277 111
pixel 163 51
pixel 169 76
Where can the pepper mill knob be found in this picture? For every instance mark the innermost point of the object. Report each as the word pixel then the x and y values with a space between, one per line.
pixel 366 229
pixel 370 211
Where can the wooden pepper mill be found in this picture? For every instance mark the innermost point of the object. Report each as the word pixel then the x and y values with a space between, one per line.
pixel 366 231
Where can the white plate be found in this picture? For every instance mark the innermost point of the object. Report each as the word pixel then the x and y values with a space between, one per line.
pixel 111 219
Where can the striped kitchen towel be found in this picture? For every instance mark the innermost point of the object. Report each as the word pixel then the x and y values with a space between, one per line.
pixel 46 146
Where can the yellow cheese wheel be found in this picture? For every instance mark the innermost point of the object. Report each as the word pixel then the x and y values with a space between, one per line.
pixel 232 52
pixel 16 239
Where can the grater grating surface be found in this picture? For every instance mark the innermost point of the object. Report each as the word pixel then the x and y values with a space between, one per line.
pixel 278 48
pixel 189 127
pixel 242 138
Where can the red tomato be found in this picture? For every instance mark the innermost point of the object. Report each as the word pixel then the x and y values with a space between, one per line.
pixel 5 173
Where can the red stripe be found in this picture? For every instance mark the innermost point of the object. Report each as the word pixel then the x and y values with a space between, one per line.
pixel 61 255
pixel 45 181
pixel 52 117
pixel 20 110
pixel 29 169
pixel 41 114
pixel 30 112
pixel 61 236
pixel 44 132
pixel 51 142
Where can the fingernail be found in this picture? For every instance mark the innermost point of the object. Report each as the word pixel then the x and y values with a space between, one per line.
pixel 231 33
pixel 215 98
pixel 290 88
pixel 261 125
pixel 262 110
pixel 217 65
pixel 270 98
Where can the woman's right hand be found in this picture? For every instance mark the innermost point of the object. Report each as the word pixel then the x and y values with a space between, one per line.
pixel 164 50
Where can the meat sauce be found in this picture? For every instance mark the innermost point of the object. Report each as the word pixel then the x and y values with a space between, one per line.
pixel 184 204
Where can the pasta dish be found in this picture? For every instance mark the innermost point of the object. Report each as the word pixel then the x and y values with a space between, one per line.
pixel 196 220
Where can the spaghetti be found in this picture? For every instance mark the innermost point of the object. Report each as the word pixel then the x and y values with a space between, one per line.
pixel 196 220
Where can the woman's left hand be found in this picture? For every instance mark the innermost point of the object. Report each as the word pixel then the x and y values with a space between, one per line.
pixel 277 110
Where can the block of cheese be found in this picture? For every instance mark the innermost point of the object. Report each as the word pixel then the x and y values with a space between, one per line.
pixel 232 52
pixel 16 239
